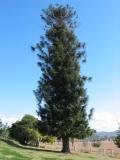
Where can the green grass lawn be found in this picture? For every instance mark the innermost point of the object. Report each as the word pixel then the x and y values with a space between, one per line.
pixel 9 152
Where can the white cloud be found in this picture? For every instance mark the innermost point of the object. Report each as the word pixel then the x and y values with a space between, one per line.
pixel 9 120
pixel 105 121
pixel 101 121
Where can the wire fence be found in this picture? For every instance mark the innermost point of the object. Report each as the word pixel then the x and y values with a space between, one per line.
pixel 107 148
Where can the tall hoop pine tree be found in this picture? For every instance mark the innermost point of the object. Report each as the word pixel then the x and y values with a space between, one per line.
pixel 61 92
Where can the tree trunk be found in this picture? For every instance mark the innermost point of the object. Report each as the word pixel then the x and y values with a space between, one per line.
pixel 65 143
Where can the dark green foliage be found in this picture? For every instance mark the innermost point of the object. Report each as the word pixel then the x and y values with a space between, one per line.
pixel 117 138
pixel 61 92
pixel 117 141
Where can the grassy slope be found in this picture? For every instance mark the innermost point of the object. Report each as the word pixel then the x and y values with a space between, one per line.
pixel 8 152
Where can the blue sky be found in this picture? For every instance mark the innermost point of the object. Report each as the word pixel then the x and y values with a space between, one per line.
pixel 21 27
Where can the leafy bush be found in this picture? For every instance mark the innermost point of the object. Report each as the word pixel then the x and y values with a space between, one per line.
pixel 33 137
pixel 25 131
pixel 48 139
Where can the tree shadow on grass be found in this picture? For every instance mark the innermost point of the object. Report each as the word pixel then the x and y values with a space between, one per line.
pixel 12 143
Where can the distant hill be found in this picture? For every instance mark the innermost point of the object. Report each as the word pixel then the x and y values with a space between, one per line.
pixel 103 135
pixel 106 134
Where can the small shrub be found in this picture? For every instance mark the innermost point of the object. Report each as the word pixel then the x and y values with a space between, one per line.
pixel 96 144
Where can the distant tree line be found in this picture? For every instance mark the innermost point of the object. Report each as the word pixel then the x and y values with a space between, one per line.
pixel 4 129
